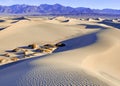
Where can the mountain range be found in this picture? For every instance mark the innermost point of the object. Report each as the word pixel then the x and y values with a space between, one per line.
pixel 53 9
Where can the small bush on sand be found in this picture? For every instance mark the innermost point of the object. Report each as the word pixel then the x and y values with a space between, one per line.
pixel 14 58
pixel 33 46
pixel 47 46
pixel 6 55
pixel 16 50
pixel 60 44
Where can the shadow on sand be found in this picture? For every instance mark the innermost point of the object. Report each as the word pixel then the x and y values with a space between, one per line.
pixel 78 42
pixel 2 28
pixel 20 61
pixel 2 20
pixel 110 23
pixel 93 26
pixel 20 18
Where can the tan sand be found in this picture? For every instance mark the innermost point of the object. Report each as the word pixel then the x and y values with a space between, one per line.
pixel 90 57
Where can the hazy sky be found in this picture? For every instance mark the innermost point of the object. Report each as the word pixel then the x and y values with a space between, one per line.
pixel 97 4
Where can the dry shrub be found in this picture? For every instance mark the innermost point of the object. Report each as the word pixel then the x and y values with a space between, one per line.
pixel 6 55
pixel 4 60
pixel 33 46
pixel 16 50
pixel 60 44
pixel 48 48
pixel 14 58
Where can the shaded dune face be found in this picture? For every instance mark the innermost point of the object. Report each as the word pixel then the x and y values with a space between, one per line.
pixel 88 26
pixel 79 42
pixel 111 23
pixel 20 18
pixel 2 21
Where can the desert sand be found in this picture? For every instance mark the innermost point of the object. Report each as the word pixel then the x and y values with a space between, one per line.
pixel 90 56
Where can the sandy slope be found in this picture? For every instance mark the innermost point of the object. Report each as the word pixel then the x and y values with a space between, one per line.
pixel 90 57
pixel 46 72
pixel 107 62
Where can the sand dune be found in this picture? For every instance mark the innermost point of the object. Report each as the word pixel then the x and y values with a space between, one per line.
pixel 106 63
pixel 90 56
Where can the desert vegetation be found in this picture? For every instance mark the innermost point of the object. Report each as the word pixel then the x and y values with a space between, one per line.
pixel 30 51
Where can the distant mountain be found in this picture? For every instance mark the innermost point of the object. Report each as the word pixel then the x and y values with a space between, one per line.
pixel 52 9
pixel 107 11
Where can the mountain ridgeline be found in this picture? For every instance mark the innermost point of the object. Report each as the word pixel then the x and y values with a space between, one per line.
pixel 53 9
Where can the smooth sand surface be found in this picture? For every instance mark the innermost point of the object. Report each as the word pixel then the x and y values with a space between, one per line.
pixel 90 57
